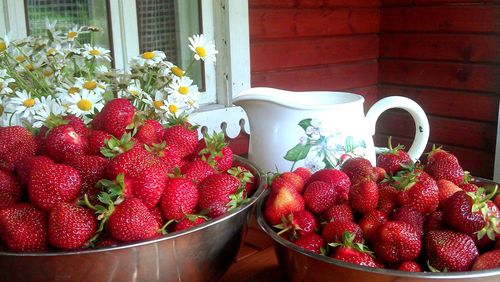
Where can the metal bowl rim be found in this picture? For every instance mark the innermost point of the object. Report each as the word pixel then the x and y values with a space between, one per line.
pixel 382 271
pixel 256 195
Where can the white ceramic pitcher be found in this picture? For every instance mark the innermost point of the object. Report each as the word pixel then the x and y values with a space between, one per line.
pixel 317 129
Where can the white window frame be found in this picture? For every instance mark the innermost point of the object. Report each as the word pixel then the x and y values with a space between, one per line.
pixel 224 21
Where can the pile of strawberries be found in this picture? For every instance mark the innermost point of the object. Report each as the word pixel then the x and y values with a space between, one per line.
pixel 123 178
pixel 397 215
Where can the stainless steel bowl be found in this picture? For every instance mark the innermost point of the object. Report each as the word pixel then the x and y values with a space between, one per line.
pixel 202 253
pixel 301 265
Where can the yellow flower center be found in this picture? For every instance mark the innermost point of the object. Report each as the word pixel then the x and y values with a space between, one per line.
pixel 51 51
pixel 1 110
pixel 73 90
pixel 3 46
pixel 158 104
pixel 134 93
pixel 72 34
pixel 183 90
pixel 20 58
pixel 84 105
pixel 1 84
pixel 177 71
pixel 95 52
pixel 28 103
pixel 47 72
pixel 200 51
pixel 148 55
pixel 172 108
pixel 29 67
pixel 90 85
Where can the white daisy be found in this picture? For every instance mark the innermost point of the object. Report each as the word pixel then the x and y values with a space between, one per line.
pixel 90 86
pixel 101 69
pixel 49 106
pixel 84 104
pixel 148 58
pixel 182 89
pixel 133 91
pixel 203 48
pixel 54 50
pixel 4 43
pixel 51 28
pixel 95 52
pixel 166 68
pixel 24 105
pixel 5 79
pixel 158 102
pixel 74 32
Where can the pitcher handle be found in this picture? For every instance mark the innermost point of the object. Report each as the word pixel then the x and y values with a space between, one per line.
pixel 421 123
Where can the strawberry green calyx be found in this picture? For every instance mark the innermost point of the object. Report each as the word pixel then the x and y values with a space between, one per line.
pixel 163 229
pixel 213 147
pixel 114 147
pixel 103 213
pixel 286 224
pixel 433 269
pixel 114 189
pixel 394 150
pixel 479 203
pixel 244 176
pixel 181 119
pixel 237 199
pixel 348 241
pixel 157 149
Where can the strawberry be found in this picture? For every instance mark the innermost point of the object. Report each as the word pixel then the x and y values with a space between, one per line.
pixel 409 266
pixel 179 198
pixel 363 196
pixel 24 167
pixel 434 221
pixel 10 190
pixel 338 212
pixel 150 132
pixel 437 154
pixel 349 250
pixel 300 223
pixel 16 144
pixel 149 184
pixel 380 172
pixel 359 168
pixel 245 177
pixel 220 193
pixel 114 147
pixel 446 169
pixel 288 178
pixel 488 260
pixel 77 123
pixel 167 155
pixel 96 140
pixel 117 115
pixel 156 212
pixel 197 170
pixel 91 169
pixel 130 162
pixel 446 189
pixel 282 202
pixel 412 216
pixel 181 134
pixel 332 232
pixel 189 221
pixel 53 183
pixel 70 226
pixel 23 228
pixel 319 196
pixel 418 190
pixel 397 241
pixel 387 197
pixel 215 151
pixel 304 173
pixel 450 251
pixel 132 221
pixel 393 159
pixel 370 223
pixel 63 142
pixel 338 179
pixel 311 242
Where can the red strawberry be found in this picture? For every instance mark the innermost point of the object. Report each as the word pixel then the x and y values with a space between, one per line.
pixel 288 178
pixel 132 221
pixel 462 211
pixel 183 135
pixel 77 123
pixel 370 223
pixel 91 169
pixel 24 167
pixel 245 177
pixel 189 221
pixel 393 159
pixel 332 232
pixel 437 154
pixel 417 190
pixel 434 221
pixel 359 168
pixel 446 189
pixel 409 266
pixel 220 193
pixel 282 202
pixel 488 260
pixel 450 251
pixel 156 212
pixel 349 250
pixel 150 132
pixel 363 196
pixel 10 190
pixel 16 144
pixel 96 140
pixel 387 197
pixel 131 163
pixel 300 223
pixel 117 115
pixel 63 142
pixel 71 226
pixel 167 155
pixel 338 212
pixel 197 170
pixel 446 169
pixel 319 196
pixel 179 198
pixel 397 241
pixel 215 151
pixel 53 183
pixel 412 216
pixel 304 173
pixel 338 179
pixel 149 184
pixel 23 228
pixel 311 242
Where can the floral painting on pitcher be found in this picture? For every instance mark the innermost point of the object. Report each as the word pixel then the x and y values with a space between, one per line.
pixel 320 147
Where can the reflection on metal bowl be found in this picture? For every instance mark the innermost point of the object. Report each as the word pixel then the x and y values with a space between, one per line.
pixel 301 265
pixel 202 253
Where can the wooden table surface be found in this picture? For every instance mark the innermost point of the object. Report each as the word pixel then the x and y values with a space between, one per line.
pixel 256 260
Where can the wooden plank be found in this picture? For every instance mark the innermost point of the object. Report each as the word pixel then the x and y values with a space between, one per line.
pixel 284 23
pixel 245 251
pixel 331 77
pixel 258 239
pixel 452 47
pixel 273 55
pixel 262 266
pixel 385 3
pixel 465 18
pixel 448 103
pixel 471 134
pixel 475 77
pixel 239 144
pixel 314 3
pixel 478 163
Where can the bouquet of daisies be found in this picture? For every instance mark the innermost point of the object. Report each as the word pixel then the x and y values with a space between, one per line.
pixel 56 74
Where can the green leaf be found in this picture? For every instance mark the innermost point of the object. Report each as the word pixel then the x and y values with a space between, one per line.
pixel 305 123
pixel 350 145
pixel 299 152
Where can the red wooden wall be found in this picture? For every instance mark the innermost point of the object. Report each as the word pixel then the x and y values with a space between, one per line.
pixel 442 53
